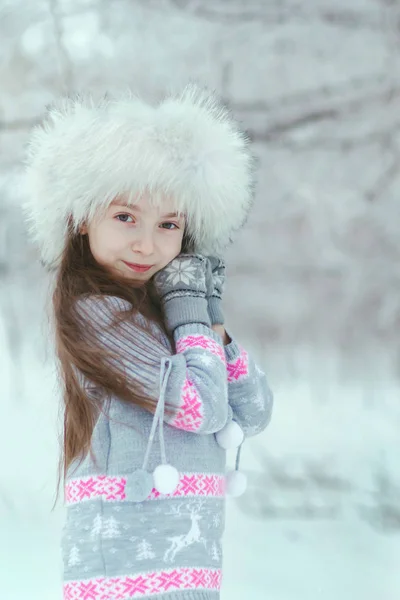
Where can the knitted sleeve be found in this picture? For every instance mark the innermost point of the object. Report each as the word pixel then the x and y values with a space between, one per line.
pixel 197 389
pixel 249 394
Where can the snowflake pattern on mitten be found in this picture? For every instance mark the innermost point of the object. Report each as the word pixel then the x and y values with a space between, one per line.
pixel 181 274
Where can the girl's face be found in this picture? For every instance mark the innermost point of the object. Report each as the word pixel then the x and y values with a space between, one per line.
pixel 139 234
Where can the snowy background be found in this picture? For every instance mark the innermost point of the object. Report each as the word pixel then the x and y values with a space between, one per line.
pixel 313 286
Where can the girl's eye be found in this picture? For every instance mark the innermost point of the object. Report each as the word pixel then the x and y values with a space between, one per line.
pixel 123 215
pixel 123 218
pixel 168 223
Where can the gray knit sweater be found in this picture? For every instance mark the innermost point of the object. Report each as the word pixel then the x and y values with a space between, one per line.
pixel 115 547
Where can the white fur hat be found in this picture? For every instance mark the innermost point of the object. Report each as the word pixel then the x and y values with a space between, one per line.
pixel 188 146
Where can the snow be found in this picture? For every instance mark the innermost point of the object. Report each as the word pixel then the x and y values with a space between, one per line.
pixel 306 560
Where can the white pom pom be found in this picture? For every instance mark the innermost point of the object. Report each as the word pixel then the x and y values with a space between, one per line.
pixel 166 479
pixel 231 436
pixel 236 483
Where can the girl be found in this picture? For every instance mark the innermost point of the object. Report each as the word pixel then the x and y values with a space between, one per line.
pixel 132 206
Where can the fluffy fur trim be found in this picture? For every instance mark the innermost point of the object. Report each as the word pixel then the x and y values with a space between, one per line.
pixel 188 146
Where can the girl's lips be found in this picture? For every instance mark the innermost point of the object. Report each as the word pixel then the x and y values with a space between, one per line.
pixel 139 268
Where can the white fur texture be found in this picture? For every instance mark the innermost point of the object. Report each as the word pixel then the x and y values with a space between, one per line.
pixel 188 146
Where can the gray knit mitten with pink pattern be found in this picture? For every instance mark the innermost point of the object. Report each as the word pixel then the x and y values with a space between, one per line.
pixel 183 286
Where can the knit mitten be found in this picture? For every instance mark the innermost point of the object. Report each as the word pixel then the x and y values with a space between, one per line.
pixel 183 286
pixel 218 284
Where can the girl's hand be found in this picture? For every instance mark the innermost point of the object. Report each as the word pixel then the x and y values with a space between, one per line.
pixel 183 286
pixel 217 285
pixel 185 275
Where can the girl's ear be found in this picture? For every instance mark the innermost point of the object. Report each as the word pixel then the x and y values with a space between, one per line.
pixel 83 229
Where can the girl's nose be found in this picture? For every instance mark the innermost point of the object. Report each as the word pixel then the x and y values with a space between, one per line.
pixel 144 244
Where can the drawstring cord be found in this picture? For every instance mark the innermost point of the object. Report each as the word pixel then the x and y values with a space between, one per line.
pixel 165 477
pixel 158 418
pixel 237 463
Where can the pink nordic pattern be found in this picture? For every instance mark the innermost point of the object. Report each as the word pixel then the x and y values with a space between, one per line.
pixel 190 412
pixel 201 341
pixel 199 484
pixel 87 488
pixel 239 368
pixel 113 488
pixel 143 585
